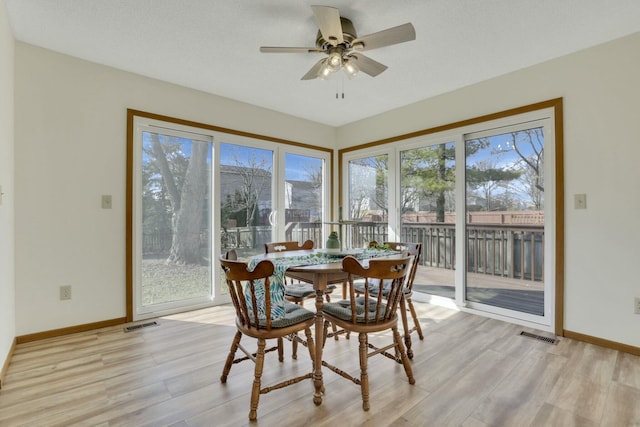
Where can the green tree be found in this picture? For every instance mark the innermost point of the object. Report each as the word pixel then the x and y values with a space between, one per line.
pixel 487 178
pixel 428 173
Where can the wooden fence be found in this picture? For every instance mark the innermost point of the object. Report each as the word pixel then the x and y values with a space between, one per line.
pixel 506 250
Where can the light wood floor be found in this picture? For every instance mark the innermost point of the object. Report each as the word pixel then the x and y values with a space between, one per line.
pixel 470 371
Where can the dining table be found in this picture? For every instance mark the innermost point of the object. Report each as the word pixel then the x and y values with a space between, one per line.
pixel 319 268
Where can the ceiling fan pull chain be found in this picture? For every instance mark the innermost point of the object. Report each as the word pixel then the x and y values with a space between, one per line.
pixel 339 89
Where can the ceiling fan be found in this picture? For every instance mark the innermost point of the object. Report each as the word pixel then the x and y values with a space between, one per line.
pixel 338 40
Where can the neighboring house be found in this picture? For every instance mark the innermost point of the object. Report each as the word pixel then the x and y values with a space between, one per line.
pixel 301 196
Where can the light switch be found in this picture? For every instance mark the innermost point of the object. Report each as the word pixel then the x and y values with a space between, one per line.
pixel 580 201
pixel 106 201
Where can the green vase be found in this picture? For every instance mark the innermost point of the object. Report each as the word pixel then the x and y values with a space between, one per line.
pixel 333 243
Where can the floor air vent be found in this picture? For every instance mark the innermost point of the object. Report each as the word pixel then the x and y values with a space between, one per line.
pixel 539 337
pixel 140 326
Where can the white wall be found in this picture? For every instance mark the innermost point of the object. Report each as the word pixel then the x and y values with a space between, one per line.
pixel 70 149
pixel 601 92
pixel 7 290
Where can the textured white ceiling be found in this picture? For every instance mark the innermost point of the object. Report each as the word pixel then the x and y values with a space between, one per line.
pixel 213 45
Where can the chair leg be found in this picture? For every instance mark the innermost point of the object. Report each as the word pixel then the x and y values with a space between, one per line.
pixel 255 390
pixel 311 346
pixel 364 376
pixel 232 353
pixel 403 355
pixel 416 323
pixel 324 332
pixel 334 328
pixel 405 326
pixel 294 347
pixel 280 350
pixel 294 342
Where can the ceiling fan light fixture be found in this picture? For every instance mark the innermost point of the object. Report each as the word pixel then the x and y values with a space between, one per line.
pixel 350 68
pixel 325 71
pixel 334 62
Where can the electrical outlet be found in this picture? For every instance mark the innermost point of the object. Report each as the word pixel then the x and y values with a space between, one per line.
pixel 636 309
pixel 65 292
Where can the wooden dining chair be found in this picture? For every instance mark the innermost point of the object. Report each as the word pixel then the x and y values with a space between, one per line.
pixel 298 292
pixel 371 313
pixel 251 297
pixel 414 249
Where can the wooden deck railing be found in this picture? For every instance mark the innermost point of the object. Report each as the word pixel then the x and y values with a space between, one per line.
pixel 505 250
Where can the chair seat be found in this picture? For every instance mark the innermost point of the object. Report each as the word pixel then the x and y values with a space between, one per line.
pixel 373 290
pixel 342 309
pixel 294 313
pixel 303 290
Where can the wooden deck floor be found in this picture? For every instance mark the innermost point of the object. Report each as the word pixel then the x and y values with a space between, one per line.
pixel 513 294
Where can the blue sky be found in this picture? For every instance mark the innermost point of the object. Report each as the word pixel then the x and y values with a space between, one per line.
pixel 232 154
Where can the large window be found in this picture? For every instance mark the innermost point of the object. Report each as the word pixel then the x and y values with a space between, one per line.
pixel 505 220
pixel 428 212
pixel 197 191
pixel 174 219
pixel 368 200
pixel 481 198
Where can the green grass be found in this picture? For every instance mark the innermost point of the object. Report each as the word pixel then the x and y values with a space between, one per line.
pixel 162 282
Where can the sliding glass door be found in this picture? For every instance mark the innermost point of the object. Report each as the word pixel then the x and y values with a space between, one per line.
pixel 198 193
pixel 367 215
pixel 476 198
pixel 428 213
pixel 505 220
pixel 246 198
pixel 174 220
pixel 304 201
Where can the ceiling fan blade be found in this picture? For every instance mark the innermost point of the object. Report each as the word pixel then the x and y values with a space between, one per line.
pixel 400 34
pixel 313 72
pixel 283 49
pixel 328 20
pixel 368 65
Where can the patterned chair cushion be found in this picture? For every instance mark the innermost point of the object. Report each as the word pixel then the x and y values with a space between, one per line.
pixel 373 289
pixel 294 313
pixel 302 290
pixel 342 309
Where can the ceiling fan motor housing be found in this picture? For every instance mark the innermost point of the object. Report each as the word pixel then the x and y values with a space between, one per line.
pixel 348 33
